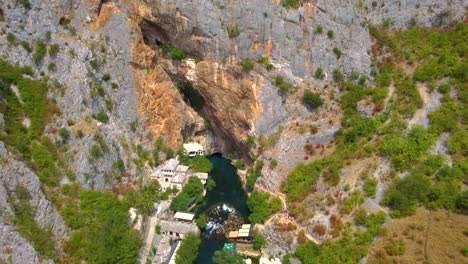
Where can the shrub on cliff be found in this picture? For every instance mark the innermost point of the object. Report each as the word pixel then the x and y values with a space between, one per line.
pixel 291 4
pixel 247 65
pixel 312 100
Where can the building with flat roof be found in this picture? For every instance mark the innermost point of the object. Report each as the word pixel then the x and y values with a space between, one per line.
pixel 184 216
pixel 203 176
pixel 177 229
pixel 193 148
pixel 243 235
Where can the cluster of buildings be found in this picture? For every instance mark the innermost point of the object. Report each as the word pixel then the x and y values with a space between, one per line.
pixel 174 175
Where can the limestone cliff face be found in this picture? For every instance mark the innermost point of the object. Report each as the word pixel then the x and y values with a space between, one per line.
pixel 122 36
pixel 231 99
pixel 164 112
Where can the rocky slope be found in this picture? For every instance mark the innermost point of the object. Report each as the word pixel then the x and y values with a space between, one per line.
pixel 110 61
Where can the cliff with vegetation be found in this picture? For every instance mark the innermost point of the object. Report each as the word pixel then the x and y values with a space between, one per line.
pixel 349 113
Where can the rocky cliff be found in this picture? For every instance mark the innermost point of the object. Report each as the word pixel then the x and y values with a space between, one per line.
pixel 111 61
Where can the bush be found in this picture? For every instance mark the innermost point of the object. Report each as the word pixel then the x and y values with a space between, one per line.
pixel 200 163
pixel 259 241
pixel 225 257
pixel 102 117
pixel 444 88
pixel 106 77
pixel 273 163
pixel 201 221
pixel 11 39
pixel 261 206
pixel 312 100
pixel 294 4
pixel 319 30
pixel 52 67
pixel 176 54
pixel 319 73
pixel 192 190
pixel 26 46
pixel 94 63
pixel 54 50
pixel 337 53
pixel 395 247
pixel 284 87
pixel 25 3
pixel 64 133
pixel 247 65
pixel 95 151
pixel 330 34
pixel 143 199
pixel 233 31
pixel 370 186
pixel 114 85
pixel 338 76
pixel 300 182
pixel 40 51
pixel 188 250
pixel 103 213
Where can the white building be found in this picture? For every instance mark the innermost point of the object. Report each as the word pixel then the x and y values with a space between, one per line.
pixel 193 148
pixel 172 174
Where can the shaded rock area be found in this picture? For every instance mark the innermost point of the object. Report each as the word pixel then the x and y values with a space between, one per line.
pixel 110 61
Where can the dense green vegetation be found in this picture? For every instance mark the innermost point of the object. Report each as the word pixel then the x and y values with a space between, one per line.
pixel 188 250
pixel 200 163
pixel 247 65
pixel 40 50
pixel 311 99
pixel 261 206
pixel 143 200
pixel 291 4
pixel 104 235
pixel 252 175
pixel 28 227
pixel 430 182
pixel 176 54
pixel 350 248
pixel 191 192
pixel 224 257
pixel 284 87
pixel 301 181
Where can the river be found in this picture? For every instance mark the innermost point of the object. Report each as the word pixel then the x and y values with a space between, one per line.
pixel 227 199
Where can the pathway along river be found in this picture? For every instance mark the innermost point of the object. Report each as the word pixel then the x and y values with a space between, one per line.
pixel 224 205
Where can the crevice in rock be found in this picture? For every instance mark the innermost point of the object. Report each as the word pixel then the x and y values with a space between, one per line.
pixel 165 31
pixel 101 4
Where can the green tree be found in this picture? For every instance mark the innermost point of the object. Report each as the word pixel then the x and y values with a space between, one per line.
pixel 143 200
pixel 188 250
pixel 201 163
pixel 201 221
pixel 210 184
pixel 259 241
pixel 259 207
pixel 312 100
pixel 247 65
pixel 225 257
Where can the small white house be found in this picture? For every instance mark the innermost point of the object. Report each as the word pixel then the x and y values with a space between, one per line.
pixel 193 148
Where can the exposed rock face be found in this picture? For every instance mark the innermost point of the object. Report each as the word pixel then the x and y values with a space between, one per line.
pixel 122 35
pixel 231 99
pixel 13 246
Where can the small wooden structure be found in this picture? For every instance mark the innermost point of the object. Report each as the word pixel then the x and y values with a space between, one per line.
pixel 243 235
